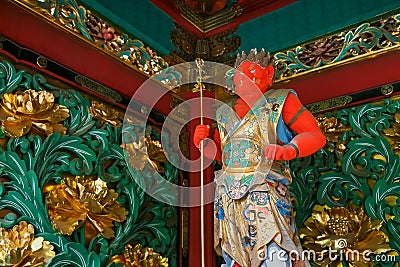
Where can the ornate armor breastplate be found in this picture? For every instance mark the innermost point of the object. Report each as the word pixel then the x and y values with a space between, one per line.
pixel 243 142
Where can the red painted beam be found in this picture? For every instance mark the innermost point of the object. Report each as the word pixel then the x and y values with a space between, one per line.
pixel 54 42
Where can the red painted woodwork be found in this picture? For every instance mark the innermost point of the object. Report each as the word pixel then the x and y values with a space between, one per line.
pixel 194 180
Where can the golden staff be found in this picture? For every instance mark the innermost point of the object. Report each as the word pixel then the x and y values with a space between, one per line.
pixel 200 86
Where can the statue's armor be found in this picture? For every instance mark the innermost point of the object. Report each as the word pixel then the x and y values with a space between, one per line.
pixel 243 142
pixel 253 211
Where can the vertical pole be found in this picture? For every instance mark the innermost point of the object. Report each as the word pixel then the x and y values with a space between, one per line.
pixel 200 63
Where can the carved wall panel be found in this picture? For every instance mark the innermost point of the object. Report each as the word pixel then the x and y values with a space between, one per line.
pixel 349 190
pixel 66 195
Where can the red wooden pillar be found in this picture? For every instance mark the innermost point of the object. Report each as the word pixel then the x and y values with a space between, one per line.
pixel 194 180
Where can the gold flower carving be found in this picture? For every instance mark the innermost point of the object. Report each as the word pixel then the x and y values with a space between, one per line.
pixel 23 111
pixel 332 128
pixel 105 113
pixel 140 257
pixel 146 150
pixel 19 247
pixel 81 200
pixel 343 231
pixel 393 134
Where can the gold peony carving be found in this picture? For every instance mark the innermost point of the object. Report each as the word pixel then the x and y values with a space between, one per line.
pixel 23 111
pixel 81 200
pixel 333 129
pixel 393 134
pixel 105 113
pixel 146 150
pixel 19 247
pixel 140 257
pixel 340 233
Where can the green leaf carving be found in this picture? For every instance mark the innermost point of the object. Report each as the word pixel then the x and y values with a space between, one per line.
pixel 9 77
pixel 34 163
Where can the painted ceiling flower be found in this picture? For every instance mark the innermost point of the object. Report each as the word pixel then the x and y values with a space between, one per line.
pixel 105 113
pixel 349 232
pixel 81 200
pixel 23 111
pixel 140 257
pixel 146 150
pixel 19 247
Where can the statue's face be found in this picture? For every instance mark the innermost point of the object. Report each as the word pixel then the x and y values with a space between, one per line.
pixel 249 74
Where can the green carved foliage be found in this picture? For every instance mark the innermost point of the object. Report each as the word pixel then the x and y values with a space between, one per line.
pixel 32 164
pixel 360 164
pixel 366 38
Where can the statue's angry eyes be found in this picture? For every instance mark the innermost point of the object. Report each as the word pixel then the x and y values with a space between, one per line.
pixel 252 72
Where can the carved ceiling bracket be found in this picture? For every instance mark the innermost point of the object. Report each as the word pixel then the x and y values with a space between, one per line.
pixel 208 19
pixel 221 47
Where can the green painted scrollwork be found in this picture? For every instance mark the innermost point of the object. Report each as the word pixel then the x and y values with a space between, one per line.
pixel 43 172
pixel 65 12
pixel 10 79
pixel 74 17
pixel 365 39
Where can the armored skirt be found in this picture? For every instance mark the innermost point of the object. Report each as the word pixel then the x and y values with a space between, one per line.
pixel 254 221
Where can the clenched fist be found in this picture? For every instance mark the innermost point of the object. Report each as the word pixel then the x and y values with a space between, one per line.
pixel 277 152
pixel 200 133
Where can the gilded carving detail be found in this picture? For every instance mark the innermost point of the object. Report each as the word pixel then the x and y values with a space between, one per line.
pixel 75 188
pixel 19 247
pixel 81 21
pixel 65 12
pixel 145 151
pixel 105 113
pixel 329 104
pixel 347 193
pixel 140 257
pixel 367 39
pixel 343 231
pixel 132 51
pixel 205 18
pixel 184 42
pixel 223 47
pixel 98 88
pixel 81 200
pixel 321 51
pixel 22 111
pixel 392 134
pixel 333 129
pixel 220 47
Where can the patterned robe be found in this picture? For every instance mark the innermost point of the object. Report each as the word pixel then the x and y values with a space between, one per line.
pixel 252 204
